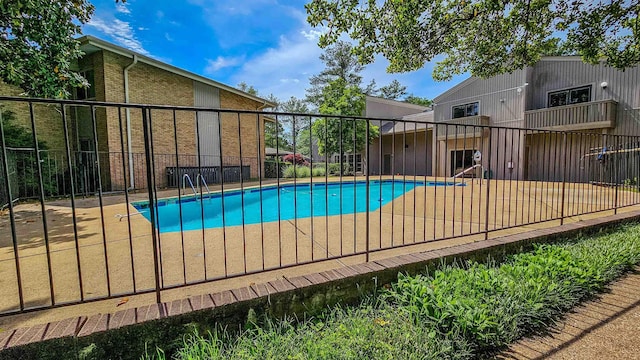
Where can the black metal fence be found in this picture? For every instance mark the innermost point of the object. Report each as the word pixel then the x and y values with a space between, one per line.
pixel 109 216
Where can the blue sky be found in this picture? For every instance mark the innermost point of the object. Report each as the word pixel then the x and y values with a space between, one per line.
pixel 265 43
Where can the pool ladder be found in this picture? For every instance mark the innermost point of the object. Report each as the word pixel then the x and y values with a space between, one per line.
pixel 187 179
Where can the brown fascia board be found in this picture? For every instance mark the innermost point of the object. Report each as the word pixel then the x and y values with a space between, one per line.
pixel 105 45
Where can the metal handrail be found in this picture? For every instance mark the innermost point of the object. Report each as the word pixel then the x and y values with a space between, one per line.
pixel 186 177
pixel 204 182
pixel 467 170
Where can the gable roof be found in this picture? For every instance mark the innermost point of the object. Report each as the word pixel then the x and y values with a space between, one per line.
pixel 90 44
pixel 472 79
pixel 464 83
pixel 403 104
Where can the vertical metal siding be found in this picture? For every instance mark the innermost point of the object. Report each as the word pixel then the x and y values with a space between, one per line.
pixel 498 97
pixel 208 96
pixel 623 87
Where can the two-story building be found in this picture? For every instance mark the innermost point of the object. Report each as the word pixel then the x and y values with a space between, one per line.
pixel 557 93
pixel 119 75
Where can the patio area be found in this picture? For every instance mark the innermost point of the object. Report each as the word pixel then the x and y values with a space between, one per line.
pixel 115 254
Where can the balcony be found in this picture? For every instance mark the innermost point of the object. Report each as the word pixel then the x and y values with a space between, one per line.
pixel 466 127
pixel 584 116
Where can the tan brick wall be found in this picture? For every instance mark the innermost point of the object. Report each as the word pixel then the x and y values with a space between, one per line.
pixel 248 135
pixel 148 85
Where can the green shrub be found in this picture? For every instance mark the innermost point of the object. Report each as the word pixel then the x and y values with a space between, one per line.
pixel 289 171
pixel 303 171
pixel 318 171
pixel 334 169
pixel 461 311
pixel 296 171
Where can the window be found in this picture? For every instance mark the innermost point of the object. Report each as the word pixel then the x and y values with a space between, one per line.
pixel 90 92
pixel 461 160
pixel 470 109
pixel 570 96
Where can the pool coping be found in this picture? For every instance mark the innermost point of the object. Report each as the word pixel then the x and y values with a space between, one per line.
pixel 295 295
pixel 256 188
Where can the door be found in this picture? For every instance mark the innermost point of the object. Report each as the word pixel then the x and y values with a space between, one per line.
pixel 387 164
pixel 461 160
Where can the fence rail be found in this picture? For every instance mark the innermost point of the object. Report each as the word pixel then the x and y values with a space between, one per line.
pixel 113 221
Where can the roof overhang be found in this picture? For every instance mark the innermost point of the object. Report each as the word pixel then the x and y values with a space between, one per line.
pixel 90 44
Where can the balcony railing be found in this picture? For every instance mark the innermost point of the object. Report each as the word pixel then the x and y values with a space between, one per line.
pixel 466 128
pixel 591 115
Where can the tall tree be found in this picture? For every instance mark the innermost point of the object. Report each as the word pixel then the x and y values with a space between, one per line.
pixel 38 45
pixel 298 106
pixel 336 135
pixel 249 89
pixel 275 136
pixel 340 63
pixel 417 100
pixel 393 91
pixel 483 37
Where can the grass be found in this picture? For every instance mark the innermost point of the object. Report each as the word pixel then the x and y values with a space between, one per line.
pixel 460 311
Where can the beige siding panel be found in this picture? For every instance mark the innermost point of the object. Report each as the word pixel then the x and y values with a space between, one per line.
pixel 498 96
pixel 622 87
pixel 208 123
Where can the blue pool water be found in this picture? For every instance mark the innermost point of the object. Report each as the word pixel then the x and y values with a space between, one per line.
pixel 288 202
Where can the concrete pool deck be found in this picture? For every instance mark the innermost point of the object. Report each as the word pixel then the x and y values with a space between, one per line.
pixel 423 215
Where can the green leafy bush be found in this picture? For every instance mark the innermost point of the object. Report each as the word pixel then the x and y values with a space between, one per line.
pixel 318 171
pixel 22 158
pixel 334 169
pixel 461 311
pixel 292 171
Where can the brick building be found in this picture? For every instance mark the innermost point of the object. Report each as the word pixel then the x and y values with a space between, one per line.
pixel 205 139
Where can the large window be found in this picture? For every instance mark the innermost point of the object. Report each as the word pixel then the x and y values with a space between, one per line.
pixel 570 96
pixel 461 160
pixel 90 92
pixel 470 109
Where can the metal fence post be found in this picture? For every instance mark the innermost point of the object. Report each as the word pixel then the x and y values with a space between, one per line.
pixel 488 175
pixel 616 166
pixel 152 200
pixel 368 189
pixel 12 219
pixel 564 177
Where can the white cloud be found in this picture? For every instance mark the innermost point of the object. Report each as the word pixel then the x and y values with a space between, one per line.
pixel 168 37
pixel 122 8
pixel 283 70
pixel 312 35
pixel 221 63
pixel 120 31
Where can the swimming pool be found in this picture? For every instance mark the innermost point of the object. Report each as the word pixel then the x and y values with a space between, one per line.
pixel 277 203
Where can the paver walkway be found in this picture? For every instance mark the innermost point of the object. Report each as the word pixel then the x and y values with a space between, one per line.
pixel 605 328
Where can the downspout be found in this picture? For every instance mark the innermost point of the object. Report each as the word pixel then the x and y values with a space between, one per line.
pixel 261 166
pixel 128 117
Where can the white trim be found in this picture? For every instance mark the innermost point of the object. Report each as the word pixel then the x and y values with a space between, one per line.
pixel 464 83
pixel 104 45
pixel 591 95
